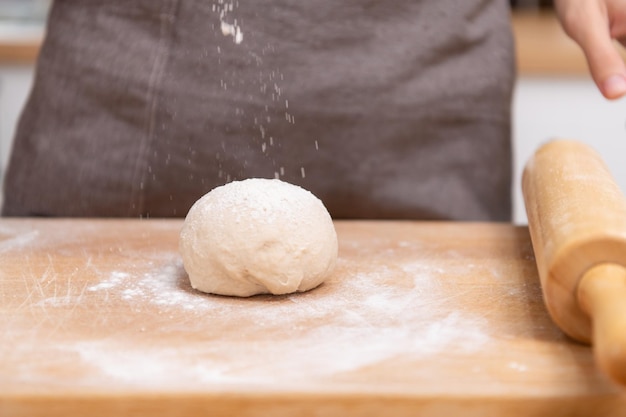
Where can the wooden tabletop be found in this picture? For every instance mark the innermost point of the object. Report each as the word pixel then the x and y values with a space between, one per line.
pixel 97 318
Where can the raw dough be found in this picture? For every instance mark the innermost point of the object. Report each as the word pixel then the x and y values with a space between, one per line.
pixel 258 236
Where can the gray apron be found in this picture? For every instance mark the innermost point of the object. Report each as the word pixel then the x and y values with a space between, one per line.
pixel 383 109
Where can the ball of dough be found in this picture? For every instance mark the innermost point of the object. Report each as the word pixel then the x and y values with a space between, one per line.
pixel 258 236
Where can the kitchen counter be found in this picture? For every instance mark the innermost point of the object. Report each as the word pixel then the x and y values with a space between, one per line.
pixel 542 47
pixel 19 43
pixel 97 318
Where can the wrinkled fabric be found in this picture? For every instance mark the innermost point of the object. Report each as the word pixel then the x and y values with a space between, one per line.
pixel 397 110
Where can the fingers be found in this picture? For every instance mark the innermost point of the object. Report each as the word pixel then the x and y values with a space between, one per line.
pixel 587 23
pixel 606 66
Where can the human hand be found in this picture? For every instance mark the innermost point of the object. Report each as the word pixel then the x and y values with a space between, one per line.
pixel 594 24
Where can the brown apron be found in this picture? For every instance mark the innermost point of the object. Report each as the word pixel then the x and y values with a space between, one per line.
pixel 383 109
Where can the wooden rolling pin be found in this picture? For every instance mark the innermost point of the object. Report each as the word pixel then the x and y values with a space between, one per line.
pixel 577 221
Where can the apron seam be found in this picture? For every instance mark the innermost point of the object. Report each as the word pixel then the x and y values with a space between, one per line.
pixel 138 190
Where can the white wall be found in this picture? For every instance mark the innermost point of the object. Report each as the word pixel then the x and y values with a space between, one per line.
pixel 570 108
pixel 15 84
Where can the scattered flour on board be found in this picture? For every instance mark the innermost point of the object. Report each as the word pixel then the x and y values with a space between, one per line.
pixel 16 241
pixel 361 322
pixel 114 280
pixel 160 286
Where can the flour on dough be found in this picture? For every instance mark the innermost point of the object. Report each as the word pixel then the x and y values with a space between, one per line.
pixel 258 236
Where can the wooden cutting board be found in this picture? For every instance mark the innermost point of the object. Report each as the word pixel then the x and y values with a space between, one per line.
pixel 97 318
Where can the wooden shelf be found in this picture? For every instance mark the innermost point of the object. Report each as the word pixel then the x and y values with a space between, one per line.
pixel 543 48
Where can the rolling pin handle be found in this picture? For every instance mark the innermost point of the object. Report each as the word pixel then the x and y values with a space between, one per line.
pixel 602 295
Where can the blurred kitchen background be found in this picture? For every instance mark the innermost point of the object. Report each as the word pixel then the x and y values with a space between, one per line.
pixel 554 94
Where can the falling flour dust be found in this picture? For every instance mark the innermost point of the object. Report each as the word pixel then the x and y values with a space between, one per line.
pixel 264 89
pixel 225 8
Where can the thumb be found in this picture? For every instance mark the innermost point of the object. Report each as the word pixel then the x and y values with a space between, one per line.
pixel 592 33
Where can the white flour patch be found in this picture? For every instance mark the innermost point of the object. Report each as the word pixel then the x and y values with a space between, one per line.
pixel 165 334
pixel 160 286
pixel 424 275
pixel 518 366
pixel 454 329
pixel 115 280
pixel 150 366
pixel 19 241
